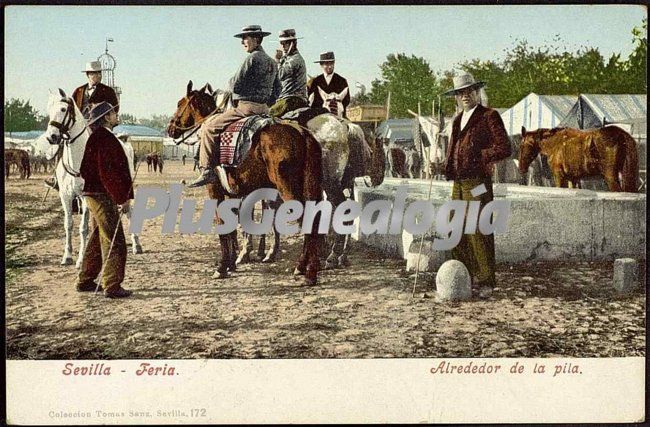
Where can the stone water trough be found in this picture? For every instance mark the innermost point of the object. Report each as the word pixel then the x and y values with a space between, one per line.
pixel 544 223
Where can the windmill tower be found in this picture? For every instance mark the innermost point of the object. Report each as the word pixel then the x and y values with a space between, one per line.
pixel 108 69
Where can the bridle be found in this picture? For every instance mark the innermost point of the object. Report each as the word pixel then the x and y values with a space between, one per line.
pixel 64 127
pixel 195 127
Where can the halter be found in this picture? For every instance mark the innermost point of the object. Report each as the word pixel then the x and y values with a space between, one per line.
pixel 68 121
pixel 195 127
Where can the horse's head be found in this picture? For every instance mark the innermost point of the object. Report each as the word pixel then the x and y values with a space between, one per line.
pixel 333 102
pixel 191 109
pixel 64 116
pixel 529 148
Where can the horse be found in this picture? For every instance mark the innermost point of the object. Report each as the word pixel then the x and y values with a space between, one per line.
pixel 282 156
pixel 404 161
pixel 333 102
pixel 345 155
pixel 67 132
pixel 19 158
pixel 574 154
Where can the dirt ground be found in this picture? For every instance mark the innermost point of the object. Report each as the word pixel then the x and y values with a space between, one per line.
pixel 566 309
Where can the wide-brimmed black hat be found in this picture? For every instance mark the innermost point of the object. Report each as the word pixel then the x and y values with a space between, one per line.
pixel 464 81
pixel 252 30
pixel 287 35
pixel 325 57
pixel 99 111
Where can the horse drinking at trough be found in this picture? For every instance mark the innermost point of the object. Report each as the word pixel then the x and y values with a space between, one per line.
pixel 281 156
pixel 574 154
pixel 67 132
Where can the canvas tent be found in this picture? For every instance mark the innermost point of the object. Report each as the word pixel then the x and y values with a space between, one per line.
pixel 592 111
pixel 396 131
pixel 537 111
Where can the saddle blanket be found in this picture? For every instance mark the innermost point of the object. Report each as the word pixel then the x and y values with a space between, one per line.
pixel 236 140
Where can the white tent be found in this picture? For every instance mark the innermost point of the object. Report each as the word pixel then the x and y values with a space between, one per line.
pixel 537 111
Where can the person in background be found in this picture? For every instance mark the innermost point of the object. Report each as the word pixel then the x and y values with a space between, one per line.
pixel 292 74
pixel 329 82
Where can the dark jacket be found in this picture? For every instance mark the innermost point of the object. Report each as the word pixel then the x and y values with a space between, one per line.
pixel 472 152
pixel 337 84
pixel 102 93
pixel 105 168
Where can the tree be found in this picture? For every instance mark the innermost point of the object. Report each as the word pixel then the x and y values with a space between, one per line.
pixel 409 79
pixel 20 116
pixel 157 121
pixel 636 64
pixel 128 119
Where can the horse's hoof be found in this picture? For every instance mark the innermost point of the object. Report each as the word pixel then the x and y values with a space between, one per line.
pixel 220 275
pixel 330 265
pixel 343 261
pixel 232 268
pixel 298 272
pixel 309 282
pixel 66 261
pixel 268 259
pixel 78 265
pixel 243 259
pixel 137 249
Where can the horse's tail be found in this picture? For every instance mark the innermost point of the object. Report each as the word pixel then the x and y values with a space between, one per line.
pixel 313 178
pixel 629 164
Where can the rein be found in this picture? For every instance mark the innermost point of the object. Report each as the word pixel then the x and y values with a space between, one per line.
pixel 195 127
pixel 68 121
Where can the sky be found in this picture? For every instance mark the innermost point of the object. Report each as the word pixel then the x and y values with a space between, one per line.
pixel 158 49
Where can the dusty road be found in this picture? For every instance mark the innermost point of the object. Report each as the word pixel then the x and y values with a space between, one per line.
pixel 179 311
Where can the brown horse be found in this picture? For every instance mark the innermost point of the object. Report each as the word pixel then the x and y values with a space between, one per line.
pixel 574 154
pixel 280 157
pixel 20 158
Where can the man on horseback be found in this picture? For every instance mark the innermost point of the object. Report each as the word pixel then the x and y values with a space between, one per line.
pixel 87 95
pixel 478 140
pixel 108 187
pixel 254 88
pixel 292 74
pixel 329 82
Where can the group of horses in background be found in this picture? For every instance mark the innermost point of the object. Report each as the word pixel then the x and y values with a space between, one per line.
pixel 25 164
pixel 155 162
pixel 603 158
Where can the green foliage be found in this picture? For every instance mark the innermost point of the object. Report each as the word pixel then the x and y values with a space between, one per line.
pixel 20 116
pixel 157 121
pixel 128 119
pixel 410 80
pixel 547 70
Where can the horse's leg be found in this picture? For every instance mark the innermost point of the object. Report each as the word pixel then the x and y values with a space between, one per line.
pixel 83 231
pixel 245 254
pixel 67 223
pixel 222 264
pixel 261 246
pixel 136 247
pixel 232 251
pixel 336 197
pixel 272 253
pixel 611 179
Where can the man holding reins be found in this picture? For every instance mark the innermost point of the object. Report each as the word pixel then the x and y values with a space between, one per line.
pixel 254 87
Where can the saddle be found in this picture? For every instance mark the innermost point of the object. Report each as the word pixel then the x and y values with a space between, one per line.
pixel 236 140
pixel 303 115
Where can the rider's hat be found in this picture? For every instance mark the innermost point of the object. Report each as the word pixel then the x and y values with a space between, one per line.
pixel 464 81
pixel 252 30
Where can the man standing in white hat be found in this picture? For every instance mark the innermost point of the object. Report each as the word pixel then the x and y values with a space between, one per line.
pixel 329 82
pixel 478 140
pixel 254 88
pixel 88 95
pixel 292 73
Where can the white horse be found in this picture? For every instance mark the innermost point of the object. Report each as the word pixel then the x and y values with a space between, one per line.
pixel 67 131
pixel 333 102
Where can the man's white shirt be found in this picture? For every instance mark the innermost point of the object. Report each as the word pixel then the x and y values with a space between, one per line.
pixel 328 78
pixel 466 116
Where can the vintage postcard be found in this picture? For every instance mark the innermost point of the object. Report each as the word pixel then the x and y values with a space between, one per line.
pixel 325 213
